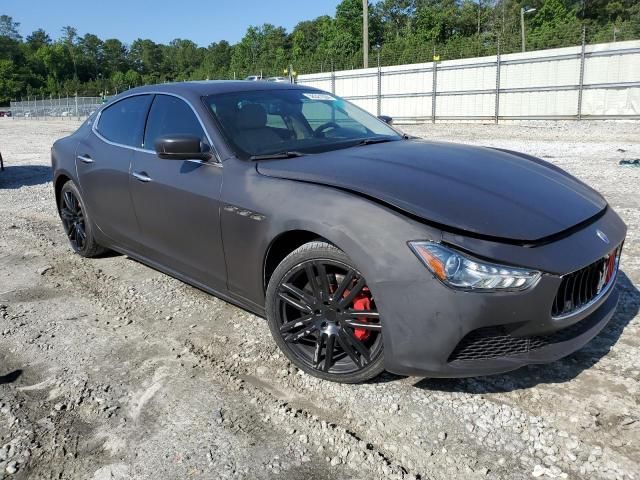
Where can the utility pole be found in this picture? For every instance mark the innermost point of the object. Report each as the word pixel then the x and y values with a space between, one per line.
pixel 524 10
pixel 522 28
pixel 365 33
pixel 478 36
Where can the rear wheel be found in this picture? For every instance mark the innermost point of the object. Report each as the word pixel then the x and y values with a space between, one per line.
pixel 76 222
pixel 323 315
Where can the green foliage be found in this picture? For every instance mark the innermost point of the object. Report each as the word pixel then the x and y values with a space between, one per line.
pixel 401 31
pixel 10 84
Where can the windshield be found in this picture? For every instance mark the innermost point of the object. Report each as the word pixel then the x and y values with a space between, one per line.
pixel 258 123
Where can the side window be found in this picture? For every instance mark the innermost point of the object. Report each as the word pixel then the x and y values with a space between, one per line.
pixel 123 121
pixel 170 116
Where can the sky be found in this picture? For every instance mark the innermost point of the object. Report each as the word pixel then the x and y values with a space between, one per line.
pixel 203 21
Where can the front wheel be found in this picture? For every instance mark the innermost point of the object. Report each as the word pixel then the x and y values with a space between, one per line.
pixel 323 315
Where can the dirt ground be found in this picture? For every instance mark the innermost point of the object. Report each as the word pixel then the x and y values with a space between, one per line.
pixel 111 370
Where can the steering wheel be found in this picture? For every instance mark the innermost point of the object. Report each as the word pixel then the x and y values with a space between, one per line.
pixel 318 132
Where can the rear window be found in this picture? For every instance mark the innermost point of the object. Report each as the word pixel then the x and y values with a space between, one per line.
pixel 123 121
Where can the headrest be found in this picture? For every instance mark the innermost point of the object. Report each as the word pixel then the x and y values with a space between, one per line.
pixel 252 116
pixel 227 113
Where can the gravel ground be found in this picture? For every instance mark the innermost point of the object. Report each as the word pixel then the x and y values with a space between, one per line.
pixel 111 370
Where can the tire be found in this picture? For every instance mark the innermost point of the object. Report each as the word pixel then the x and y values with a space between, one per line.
pixel 77 223
pixel 329 329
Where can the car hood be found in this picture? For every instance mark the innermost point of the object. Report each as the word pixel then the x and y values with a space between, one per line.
pixel 483 191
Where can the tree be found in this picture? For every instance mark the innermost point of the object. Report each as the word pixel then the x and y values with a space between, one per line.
pixel 114 56
pixel 349 25
pixel 216 61
pixel 554 25
pixel 37 39
pixel 57 60
pixel 146 57
pixel 132 78
pixel 69 36
pixel 405 31
pixel 263 49
pixel 118 81
pixel 9 28
pixel 91 55
pixel 182 58
pixel 396 16
pixel 10 84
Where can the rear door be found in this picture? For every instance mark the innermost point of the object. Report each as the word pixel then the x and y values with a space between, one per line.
pixel 103 161
pixel 177 202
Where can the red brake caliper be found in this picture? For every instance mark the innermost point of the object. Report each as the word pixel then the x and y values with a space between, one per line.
pixel 361 302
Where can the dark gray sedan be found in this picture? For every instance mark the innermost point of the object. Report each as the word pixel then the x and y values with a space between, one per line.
pixel 365 249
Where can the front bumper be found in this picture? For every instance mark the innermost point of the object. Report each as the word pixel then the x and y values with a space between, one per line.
pixel 427 364
pixel 424 322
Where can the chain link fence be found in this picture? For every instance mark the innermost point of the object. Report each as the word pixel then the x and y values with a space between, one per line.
pixel 67 107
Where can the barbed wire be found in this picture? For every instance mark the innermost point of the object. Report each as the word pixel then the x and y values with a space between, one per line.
pixel 485 45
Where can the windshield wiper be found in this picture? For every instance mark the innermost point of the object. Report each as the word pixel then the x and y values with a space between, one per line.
pixel 371 141
pixel 275 156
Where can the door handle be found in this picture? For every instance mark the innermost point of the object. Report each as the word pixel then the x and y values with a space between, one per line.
pixel 142 176
pixel 85 158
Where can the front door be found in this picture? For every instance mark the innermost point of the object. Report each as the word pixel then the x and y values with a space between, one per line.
pixel 177 202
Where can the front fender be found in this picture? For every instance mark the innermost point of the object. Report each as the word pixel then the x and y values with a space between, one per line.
pixel 257 209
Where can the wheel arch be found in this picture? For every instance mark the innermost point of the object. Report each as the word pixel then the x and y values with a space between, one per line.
pixel 59 181
pixel 281 246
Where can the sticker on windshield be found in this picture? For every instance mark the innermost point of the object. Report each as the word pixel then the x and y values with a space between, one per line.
pixel 319 96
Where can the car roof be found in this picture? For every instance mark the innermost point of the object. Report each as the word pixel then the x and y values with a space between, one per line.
pixel 212 87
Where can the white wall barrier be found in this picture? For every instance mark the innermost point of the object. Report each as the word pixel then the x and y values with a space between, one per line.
pixel 585 82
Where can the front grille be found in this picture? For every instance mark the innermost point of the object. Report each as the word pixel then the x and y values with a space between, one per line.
pixel 495 342
pixel 580 288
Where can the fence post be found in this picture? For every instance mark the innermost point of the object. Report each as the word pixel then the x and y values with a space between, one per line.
pixel 333 78
pixel 379 105
pixel 433 89
pixel 497 109
pixel 78 116
pixel 581 85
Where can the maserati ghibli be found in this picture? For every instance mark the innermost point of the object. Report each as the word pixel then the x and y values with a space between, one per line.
pixel 364 248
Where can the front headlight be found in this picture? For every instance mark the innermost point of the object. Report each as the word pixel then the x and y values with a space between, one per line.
pixel 459 271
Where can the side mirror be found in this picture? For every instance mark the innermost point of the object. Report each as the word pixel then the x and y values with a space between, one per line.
pixel 181 147
pixel 386 119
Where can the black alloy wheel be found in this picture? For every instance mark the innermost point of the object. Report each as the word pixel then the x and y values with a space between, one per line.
pixel 323 315
pixel 73 220
pixel 76 222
